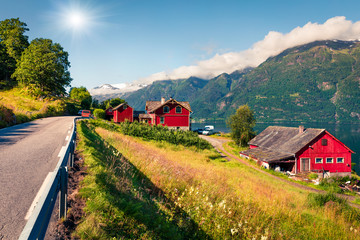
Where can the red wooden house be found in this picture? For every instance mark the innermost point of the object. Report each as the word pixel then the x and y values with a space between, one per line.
pixel 109 114
pixel 122 113
pixel 170 113
pixel 300 150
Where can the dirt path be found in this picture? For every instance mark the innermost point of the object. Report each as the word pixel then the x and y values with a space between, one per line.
pixel 218 145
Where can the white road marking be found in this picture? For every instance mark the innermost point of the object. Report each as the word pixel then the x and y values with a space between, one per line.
pixel 67 138
pixel 62 151
pixel 37 197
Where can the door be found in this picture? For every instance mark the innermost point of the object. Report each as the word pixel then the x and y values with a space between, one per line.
pixel 305 163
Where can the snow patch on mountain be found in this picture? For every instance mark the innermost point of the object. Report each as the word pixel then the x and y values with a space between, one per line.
pixel 119 88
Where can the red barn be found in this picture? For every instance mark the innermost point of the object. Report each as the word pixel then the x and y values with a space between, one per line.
pixel 300 150
pixel 170 113
pixel 123 112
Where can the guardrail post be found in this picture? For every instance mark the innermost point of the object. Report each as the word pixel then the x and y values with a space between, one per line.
pixel 63 191
pixel 71 153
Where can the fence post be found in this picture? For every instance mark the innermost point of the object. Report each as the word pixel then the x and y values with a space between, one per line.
pixel 63 191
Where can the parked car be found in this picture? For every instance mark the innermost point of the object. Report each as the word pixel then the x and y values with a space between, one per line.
pixel 86 113
pixel 198 130
pixel 208 130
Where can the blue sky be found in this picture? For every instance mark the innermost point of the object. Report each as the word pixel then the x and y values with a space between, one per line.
pixel 127 40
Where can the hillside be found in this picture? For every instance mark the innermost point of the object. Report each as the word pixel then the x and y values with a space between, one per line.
pixel 315 82
pixel 140 189
pixel 318 81
pixel 18 107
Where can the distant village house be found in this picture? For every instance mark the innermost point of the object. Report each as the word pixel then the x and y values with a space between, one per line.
pixel 122 113
pixel 109 114
pixel 300 150
pixel 170 113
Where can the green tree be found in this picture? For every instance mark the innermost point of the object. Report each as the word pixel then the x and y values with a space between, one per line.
pixel 241 125
pixel 43 68
pixel 12 44
pixel 82 96
pixel 111 103
pixel 99 113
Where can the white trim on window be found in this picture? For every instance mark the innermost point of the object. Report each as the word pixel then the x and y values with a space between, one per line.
pixel 319 158
pixel 342 160
pixel 328 158
pixel 162 120
pixel 176 109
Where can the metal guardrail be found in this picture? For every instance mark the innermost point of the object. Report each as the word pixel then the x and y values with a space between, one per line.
pixel 38 222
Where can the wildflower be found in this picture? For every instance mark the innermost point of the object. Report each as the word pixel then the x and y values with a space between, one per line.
pixel 351 228
pixel 264 237
pixel 233 231
pixel 222 203
pixel 240 224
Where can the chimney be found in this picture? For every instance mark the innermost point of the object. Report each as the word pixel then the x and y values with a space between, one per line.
pixel 162 100
pixel 301 129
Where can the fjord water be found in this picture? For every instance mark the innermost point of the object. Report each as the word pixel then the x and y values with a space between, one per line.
pixel 349 134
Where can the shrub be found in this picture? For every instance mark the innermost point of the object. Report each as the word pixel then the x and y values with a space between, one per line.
pixel 313 176
pixel 99 113
pixel 319 199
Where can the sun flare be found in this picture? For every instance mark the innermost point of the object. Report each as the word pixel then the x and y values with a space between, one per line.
pixel 77 19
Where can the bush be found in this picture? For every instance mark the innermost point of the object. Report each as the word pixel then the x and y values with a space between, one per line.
pixel 319 199
pixel 99 113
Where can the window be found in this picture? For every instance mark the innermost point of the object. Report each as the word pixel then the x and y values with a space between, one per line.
pixel 340 160
pixel 178 109
pixel 166 109
pixel 125 107
pixel 162 120
pixel 329 160
pixel 324 142
pixel 318 160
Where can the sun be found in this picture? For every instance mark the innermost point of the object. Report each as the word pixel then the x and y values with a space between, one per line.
pixel 76 20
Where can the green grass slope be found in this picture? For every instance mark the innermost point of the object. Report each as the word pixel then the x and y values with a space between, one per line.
pixel 18 107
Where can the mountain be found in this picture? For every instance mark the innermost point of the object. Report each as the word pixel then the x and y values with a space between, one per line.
pixel 181 90
pixel 319 81
pixel 107 91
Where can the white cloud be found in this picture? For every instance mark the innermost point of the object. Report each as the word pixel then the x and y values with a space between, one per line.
pixel 274 43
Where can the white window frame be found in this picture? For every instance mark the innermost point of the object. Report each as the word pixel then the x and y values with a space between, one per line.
pixel 322 160
pixel 176 109
pixel 343 160
pixel 332 160
pixel 162 120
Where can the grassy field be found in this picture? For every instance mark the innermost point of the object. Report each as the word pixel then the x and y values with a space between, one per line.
pixel 138 189
pixel 18 107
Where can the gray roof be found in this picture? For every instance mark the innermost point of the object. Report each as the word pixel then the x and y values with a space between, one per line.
pixel 277 143
pixel 267 155
pixel 151 106
pixel 120 105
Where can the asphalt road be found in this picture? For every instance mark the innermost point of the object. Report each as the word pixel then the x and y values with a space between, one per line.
pixel 28 152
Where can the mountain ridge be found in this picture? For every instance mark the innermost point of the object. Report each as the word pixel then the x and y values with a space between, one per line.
pixel 318 81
